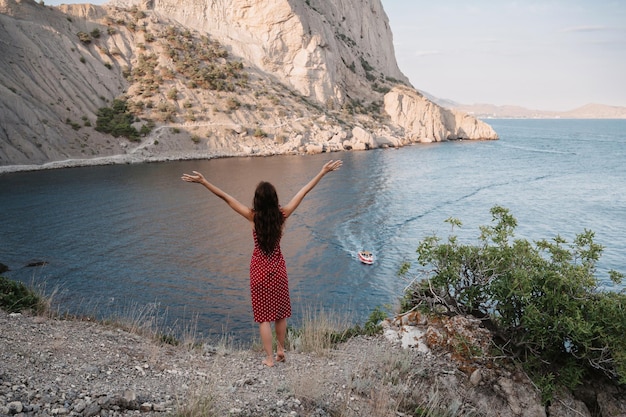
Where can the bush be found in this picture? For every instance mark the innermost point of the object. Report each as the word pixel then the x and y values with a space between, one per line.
pixel 232 104
pixel 84 37
pixel 172 93
pixel 116 120
pixel 542 301
pixel 16 297
pixel 259 133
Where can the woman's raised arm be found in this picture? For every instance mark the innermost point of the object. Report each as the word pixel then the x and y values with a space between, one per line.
pixel 230 200
pixel 297 199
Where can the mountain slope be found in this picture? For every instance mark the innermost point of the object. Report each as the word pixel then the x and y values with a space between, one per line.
pixel 204 79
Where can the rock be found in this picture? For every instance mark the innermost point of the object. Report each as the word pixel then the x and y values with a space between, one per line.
pixel 92 409
pixel 564 405
pixel 612 403
pixel 412 337
pixel 521 402
pixel 425 121
pixel 475 377
pixel 413 318
pixel 79 406
pixel 161 407
pixel 130 395
pixel 313 148
pixel 33 264
pixel 362 139
pixel 387 142
pixel 15 407
pixel 434 338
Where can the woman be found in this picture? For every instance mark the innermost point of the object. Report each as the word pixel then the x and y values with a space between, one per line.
pixel 268 275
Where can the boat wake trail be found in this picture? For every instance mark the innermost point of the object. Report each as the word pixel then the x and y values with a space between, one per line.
pixel 537 150
pixel 464 197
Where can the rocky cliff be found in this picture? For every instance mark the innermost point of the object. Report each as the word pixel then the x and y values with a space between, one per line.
pixel 206 78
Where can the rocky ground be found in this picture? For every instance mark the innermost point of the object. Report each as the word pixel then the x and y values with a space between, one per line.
pixel 54 367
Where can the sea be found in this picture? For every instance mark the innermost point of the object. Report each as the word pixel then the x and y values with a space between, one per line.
pixel 135 240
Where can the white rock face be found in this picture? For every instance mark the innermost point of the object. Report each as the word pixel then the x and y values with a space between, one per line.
pixel 424 121
pixel 322 49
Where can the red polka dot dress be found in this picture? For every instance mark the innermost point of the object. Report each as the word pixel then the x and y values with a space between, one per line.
pixel 269 286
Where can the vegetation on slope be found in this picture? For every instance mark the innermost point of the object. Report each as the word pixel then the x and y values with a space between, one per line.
pixel 16 297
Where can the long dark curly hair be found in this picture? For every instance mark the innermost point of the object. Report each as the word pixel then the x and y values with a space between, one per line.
pixel 268 218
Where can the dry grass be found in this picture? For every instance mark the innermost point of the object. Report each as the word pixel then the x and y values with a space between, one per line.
pixel 198 403
pixel 46 299
pixel 318 327
pixel 308 387
pixel 143 320
pixel 381 383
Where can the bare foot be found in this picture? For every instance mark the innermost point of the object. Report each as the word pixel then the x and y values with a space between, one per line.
pixel 280 357
pixel 269 362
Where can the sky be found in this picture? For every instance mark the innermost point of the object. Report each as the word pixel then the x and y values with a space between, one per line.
pixel 540 54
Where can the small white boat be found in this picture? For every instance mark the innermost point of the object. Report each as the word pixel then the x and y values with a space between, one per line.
pixel 366 257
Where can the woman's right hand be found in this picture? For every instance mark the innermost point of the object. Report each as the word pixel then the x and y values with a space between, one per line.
pixel 199 178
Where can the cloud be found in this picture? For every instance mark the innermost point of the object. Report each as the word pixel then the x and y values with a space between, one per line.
pixel 585 29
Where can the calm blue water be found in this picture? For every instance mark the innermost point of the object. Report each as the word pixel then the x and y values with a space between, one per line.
pixel 115 236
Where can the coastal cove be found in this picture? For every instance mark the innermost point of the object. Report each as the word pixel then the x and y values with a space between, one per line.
pixel 110 237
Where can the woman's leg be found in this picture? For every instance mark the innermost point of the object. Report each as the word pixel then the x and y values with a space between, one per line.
pixel 281 331
pixel 265 329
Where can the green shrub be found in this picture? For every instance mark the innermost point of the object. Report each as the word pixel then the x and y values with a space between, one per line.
pixel 232 104
pixel 16 297
pixel 259 133
pixel 146 129
pixel 172 93
pixel 542 300
pixel 74 125
pixel 84 37
pixel 116 120
pixel 370 328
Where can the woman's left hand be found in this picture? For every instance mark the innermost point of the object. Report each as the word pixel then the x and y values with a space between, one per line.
pixel 332 166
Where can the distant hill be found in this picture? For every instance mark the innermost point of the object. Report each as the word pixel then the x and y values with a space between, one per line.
pixel 588 111
pixel 596 111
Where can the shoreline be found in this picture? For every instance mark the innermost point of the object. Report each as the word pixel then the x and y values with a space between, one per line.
pixel 121 159
pixel 128 159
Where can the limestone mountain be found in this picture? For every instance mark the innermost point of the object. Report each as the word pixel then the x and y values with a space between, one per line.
pixel 158 80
